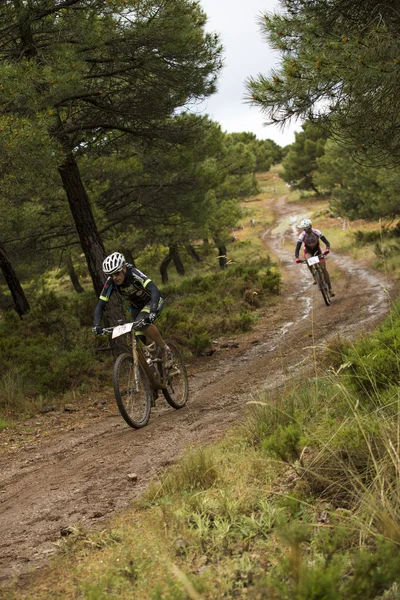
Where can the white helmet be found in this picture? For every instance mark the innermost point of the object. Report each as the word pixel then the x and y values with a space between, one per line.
pixel 305 224
pixel 113 263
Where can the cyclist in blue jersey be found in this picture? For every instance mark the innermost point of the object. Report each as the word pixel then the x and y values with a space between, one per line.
pixel 139 291
pixel 311 237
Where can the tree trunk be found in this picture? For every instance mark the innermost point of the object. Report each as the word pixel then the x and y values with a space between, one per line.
pixel 89 236
pixel 78 200
pixel 222 255
pixel 73 276
pixel 21 303
pixel 128 256
pixel 192 252
pixel 81 210
pixel 174 253
pixel 164 268
pixel 309 179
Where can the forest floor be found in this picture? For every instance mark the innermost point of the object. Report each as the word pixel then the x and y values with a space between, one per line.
pixel 73 467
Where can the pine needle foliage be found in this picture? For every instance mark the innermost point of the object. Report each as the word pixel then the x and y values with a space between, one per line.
pixel 340 67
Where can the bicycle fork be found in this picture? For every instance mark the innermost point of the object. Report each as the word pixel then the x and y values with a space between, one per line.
pixel 136 373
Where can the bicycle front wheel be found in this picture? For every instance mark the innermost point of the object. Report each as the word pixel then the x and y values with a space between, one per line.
pixel 323 287
pixel 177 391
pixel 133 397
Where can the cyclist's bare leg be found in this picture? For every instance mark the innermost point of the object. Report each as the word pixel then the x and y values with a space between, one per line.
pixel 154 335
pixel 151 332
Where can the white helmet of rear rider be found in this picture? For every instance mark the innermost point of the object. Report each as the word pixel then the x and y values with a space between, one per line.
pixel 305 224
pixel 113 263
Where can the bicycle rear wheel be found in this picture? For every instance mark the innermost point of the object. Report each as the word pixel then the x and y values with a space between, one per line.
pixel 323 287
pixel 177 391
pixel 133 405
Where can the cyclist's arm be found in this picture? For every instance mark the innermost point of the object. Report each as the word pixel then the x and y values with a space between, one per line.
pixel 297 251
pixel 155 295
pixel 103 299
pixel 327 244
pixel 98 312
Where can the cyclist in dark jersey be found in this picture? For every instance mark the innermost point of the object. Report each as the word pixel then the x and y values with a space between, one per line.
pixel 310 237
pixel 139 291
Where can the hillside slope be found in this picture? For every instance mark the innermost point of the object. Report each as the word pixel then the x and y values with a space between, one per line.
pixel 78 471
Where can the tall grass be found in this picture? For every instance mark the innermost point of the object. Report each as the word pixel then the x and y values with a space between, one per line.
pixel 339 436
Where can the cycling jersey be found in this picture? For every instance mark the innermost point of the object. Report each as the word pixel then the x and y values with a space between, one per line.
pixel 137 289
pixel 311 242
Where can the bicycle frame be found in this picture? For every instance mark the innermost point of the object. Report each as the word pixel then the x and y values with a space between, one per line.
pixel 314 263
pixel 142 373
pixel 315 266
pixel 138 355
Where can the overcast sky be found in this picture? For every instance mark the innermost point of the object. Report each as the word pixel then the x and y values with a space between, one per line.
pixel 246 54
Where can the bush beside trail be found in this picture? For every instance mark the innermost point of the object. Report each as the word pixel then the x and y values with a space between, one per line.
pixel 373 361
pixel 203 307
pixel 45 354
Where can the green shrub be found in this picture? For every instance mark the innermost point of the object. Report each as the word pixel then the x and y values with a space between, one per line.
pixel 374 360
pixel 81 307
pixel 374 571
pixel 48 352
pixel 284 443
pixel 370 237
pixel 196 471
pixel 201 308
pixel 198 342
pixel 42 364
pixel 299 406
pixel 362 575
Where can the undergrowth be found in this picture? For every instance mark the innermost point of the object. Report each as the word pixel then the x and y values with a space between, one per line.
pixel 45 354
pixel 374 360
pixel 223 302
pixel 385 243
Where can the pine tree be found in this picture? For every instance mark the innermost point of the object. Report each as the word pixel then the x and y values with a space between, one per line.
pixel 92 70
pixel 340 67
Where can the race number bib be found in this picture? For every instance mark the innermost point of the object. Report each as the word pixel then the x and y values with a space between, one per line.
pixel 121 329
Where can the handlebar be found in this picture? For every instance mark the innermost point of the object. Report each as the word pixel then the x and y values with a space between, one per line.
pixel 320 256
pixel 136 325
pixel 107 330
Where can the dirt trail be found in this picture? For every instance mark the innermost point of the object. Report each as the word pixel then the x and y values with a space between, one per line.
pixel 79 475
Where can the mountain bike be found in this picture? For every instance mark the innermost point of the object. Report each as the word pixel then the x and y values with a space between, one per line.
pixel 140 372
pixel 314 262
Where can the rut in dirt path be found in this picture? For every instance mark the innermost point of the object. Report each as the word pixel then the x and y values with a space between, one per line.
pixel 81 476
